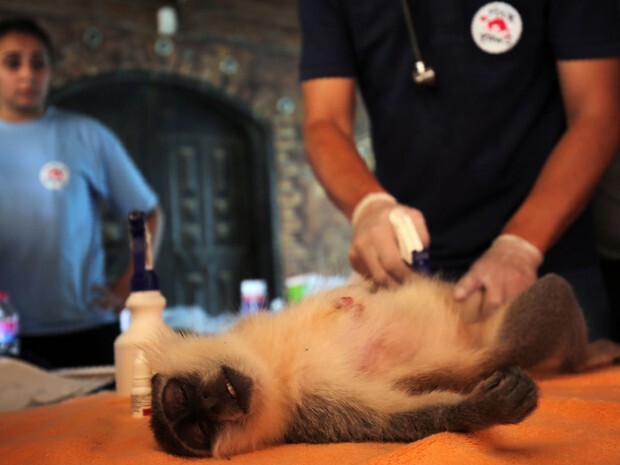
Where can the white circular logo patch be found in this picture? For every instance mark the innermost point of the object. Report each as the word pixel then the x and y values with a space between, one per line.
pixel 54 175
pixel 496 27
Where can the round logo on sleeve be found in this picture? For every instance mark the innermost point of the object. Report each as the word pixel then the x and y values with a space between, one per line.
pixel 496 27
pixel 54 175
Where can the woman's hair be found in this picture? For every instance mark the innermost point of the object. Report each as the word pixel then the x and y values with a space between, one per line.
pixel 29 27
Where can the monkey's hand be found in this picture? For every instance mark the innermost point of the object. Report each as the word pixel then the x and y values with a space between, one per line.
pixel 505 397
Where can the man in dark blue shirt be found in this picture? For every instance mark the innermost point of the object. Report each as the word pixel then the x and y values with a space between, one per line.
pixel 496 162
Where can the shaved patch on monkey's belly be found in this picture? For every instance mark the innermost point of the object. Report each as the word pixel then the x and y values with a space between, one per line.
pixel 379 347
pixel 379 353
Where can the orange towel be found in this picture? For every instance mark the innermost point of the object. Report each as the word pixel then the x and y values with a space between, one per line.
pixel 577 422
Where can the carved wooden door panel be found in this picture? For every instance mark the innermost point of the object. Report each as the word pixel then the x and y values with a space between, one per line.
pixel 210 166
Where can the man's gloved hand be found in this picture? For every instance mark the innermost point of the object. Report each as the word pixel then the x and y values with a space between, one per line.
pixel 374 251
pixel 508 267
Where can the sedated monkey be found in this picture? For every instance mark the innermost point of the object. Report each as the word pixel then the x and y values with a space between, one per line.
pixel 352 364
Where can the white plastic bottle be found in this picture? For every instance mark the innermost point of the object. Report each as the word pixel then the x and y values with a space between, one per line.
pixel 9 326
pixel 146 309
pixel 146 304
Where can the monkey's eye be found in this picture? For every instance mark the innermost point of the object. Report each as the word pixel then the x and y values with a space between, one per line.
pixel 237 385
pixel 230 388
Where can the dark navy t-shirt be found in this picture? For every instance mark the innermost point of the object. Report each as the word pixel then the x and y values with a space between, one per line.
pixel 467 151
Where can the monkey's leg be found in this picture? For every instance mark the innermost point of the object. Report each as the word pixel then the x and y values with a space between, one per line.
pixel 504 397
pixel 459 377
pixel 545 322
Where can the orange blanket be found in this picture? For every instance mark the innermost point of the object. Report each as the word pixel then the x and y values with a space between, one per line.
pixel 577 422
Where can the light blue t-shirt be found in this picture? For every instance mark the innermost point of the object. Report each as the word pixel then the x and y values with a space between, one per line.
pixel 53 173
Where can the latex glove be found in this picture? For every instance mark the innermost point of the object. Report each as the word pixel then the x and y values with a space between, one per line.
pixel 374 250
pixel 508 267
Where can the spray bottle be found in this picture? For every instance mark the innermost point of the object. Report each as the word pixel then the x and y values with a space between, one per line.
pixel 146 304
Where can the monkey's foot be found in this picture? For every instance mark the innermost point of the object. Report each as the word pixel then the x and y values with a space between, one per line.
pixel 505 397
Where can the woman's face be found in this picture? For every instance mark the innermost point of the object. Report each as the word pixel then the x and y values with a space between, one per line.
pixel 24 77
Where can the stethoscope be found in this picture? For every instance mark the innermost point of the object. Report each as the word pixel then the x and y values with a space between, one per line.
pixel 422 75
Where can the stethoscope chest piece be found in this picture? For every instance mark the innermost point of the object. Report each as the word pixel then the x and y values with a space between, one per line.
pixel 422 75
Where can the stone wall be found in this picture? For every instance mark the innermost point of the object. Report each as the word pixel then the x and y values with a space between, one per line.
pixel 246 49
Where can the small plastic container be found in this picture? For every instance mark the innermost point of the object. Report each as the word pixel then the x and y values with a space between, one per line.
pixel 253 296
pixel 141 390
pixel 296 287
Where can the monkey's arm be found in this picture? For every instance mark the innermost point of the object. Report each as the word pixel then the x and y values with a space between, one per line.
pixel 504 397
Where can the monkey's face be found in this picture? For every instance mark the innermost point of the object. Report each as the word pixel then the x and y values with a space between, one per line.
pixel 191 411
pixel 214 396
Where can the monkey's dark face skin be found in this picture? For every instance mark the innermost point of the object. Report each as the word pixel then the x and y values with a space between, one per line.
pixel 190 410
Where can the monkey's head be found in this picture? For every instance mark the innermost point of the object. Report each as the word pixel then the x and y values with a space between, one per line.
pixel 212 396
pixel 191 410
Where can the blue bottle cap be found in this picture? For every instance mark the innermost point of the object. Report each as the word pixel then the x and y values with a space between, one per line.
pixel 143 279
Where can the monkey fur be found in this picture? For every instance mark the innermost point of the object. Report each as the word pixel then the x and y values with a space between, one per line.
pixel 351 364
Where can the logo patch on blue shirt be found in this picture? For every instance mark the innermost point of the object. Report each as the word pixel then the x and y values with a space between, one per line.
pixel 54 175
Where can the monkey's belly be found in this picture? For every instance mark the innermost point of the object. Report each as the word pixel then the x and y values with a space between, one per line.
pixel 380 335
pixel 386 351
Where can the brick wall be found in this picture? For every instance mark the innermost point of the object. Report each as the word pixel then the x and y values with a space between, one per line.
pixel 246 49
